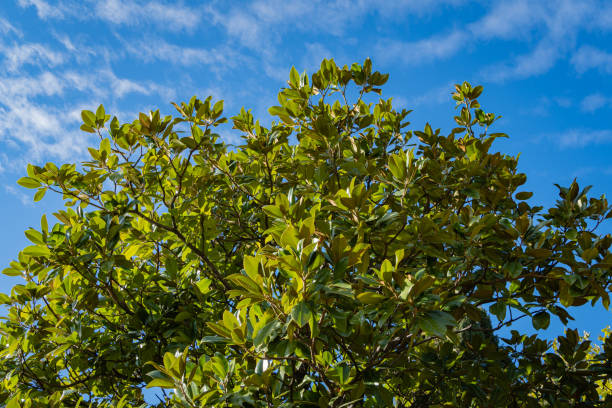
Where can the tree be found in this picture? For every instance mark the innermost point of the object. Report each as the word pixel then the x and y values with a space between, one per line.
pixel 334 259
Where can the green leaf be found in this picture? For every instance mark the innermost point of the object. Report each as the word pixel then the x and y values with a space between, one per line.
pixel 229 320
pixel 498 309
pixel 214 339
pixel 301 314
pixel 169 361
pixel 565 296
pixel 342 373
pixel 273 211
pixel 220 365
pixel 281 113
pixel 268 330
pixel 159 380
pixel 513 268
pixel 203 285
pixel 589 254
pixel 36 250
pixel 40 194
pixel 523 195
pixel 34 236
pixel 294 77
pixel 29 182
pixel 100 114
pixel 87 129
pixel 220 330
pixel 421 286
pixel 539 253
pixel 245 282
pixel 43 224
pixel 89 118
pixel 386 271
pixel 370 298
pixel 105 146
pixel 171 267
pixel 540 320
pixel 435 322
pixel 11 272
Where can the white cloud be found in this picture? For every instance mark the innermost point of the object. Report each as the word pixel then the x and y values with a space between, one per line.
pixel 543 105
pixel 263 22
pixel 170 16
pixel 43 9
pixel 588 57
pixel 36 130
pixel 7 28
pixel 21 196
pixel 314 54
pixel 33 130
pixel 508 19
pixel 595 101
pixel 160 50
pixel 604 18
pixel 16 56
pixel 163 14
pixel 563 101
pixel 423 51
pixel 583 137
pixel 538 61
pixel 12 88
pixel 435 96
pixel 557 23
pixel 67 43
pixel 399 8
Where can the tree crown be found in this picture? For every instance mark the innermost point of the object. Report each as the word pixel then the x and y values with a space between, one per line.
pixel 336 258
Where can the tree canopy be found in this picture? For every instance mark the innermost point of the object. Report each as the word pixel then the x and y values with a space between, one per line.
pixel 334 259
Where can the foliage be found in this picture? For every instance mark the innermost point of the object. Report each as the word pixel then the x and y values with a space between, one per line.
pixel 334 259
pixel 604 386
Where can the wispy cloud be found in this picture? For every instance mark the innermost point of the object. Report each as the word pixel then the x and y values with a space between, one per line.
pixel 556 23
pixel 508 20
pixel 435 96
pixel 36 130
pixel 15 56
pixel 583 137
pixel 400 8
pixel 44 9
pixel 170 16
pixel 548 30
pixel 160 50
pixel 594 102
pixel 21 196
pixel 8 28
pixel 315 53
pixel 262 22
pixel 166 15
pixel 545 104
pixel 588 57
pixel 423 51
pixel 536 62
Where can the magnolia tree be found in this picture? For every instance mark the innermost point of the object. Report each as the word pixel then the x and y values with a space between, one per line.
pixel 335 259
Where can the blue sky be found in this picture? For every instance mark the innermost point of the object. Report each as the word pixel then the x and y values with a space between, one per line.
pixel 546 67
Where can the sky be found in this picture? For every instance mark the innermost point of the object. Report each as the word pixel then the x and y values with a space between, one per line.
pixel 546 67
